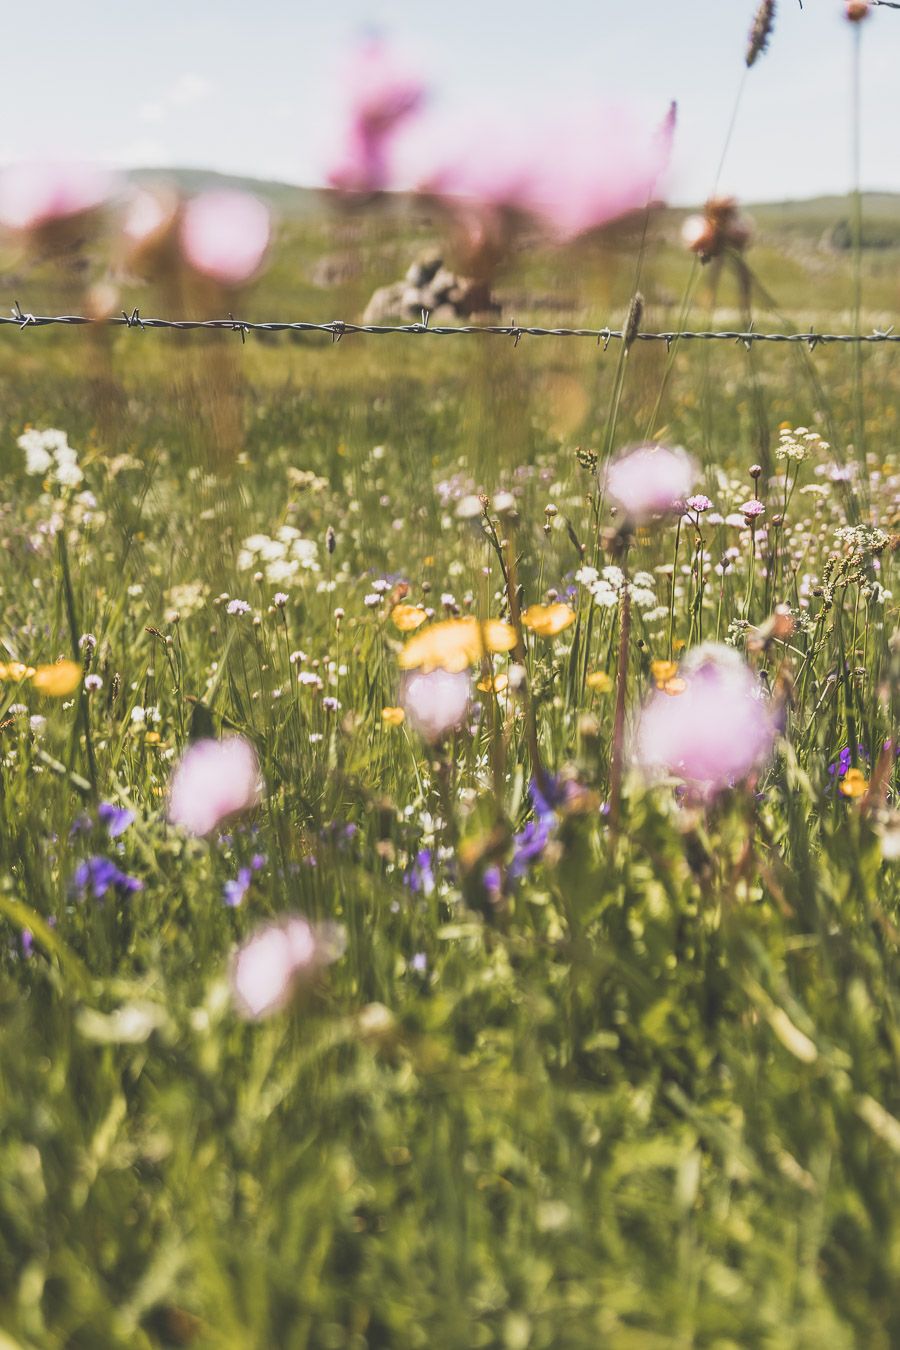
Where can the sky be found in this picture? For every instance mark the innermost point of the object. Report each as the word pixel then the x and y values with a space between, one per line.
pixel 254 86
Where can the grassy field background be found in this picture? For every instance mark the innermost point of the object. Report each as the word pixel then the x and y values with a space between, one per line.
pixel 649 1100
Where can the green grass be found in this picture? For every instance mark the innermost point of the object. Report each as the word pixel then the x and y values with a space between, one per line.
pixel 650 1101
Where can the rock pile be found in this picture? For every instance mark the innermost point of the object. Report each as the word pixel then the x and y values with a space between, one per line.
pixel 431 286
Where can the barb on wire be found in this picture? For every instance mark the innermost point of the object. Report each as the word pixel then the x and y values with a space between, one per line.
pixel 339 328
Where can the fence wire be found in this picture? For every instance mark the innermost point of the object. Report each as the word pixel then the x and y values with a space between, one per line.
pixel 339 328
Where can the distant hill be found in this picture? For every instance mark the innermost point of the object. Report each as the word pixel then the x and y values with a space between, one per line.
pixel 809 219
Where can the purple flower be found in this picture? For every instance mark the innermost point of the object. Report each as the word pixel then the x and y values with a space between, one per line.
pixel 420 874
pixel 838 767
pixel 115 818
pixel 97 875
pixel 234 891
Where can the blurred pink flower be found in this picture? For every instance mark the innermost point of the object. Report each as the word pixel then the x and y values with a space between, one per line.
pixel 650 480
pixel 437 702
pixel 383 97
pixel 574 174
pixel 214 780
pixel 269 967
pixel 225 235
pixel 33 196
pixel 714 732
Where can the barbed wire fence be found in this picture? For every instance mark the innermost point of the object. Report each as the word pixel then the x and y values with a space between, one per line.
pixel 339 328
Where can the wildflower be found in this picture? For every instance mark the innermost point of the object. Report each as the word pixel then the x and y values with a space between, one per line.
pixel 407 617
pixel 435 702
pixel 330 704
pixel 92 683
pixel 854 784
pixel 383 97
pixel 650 480
pixel 548 620
pixel 698 503
pixel 224 235
pixel 393 717
pixel 372 600
pixel 237 607
pixel 455 644
pixel 234 891
pixel 663 671
pixel 270 967
pixel 561 171
pixel 214 780
pixel 599 681
pixel 18 671
pixel 98 875
pixel 716 732
pixel 752 510
pixel 495 684
pixel 116 818
pixel 720 227
pixel 280 599
pixel 419 876
pixel 36 196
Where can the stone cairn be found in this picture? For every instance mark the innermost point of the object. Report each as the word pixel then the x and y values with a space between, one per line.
pixel 429 285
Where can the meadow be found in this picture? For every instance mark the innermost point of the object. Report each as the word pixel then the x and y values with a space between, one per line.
pixel 584 1059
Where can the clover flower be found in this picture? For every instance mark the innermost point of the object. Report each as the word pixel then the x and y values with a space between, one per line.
pixel 269 968
pixel 435 702
pixel 650 480
pixel 214 780
pixel 224 235
pixel 712 733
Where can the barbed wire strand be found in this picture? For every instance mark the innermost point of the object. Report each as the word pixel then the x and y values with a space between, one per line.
pixel 339 328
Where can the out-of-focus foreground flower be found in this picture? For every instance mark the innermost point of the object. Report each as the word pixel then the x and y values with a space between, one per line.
pixel 572 173
pixel 225 234
pixel 435 702
pixel 383 96
pixel 650 480
pixel 36 196
pixel 715 731
pixel 270 967
pixel 214 780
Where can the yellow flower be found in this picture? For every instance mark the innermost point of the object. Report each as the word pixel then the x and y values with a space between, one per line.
pixel 407 617
pixel 15 670
pixel 455 644
pixel 599 681
pixel 675 686
pixel 152 738
pixel 393 717
pixel 854 783
pixel 548 620
pixel 663 671
pixel 58 680
pixel 495 685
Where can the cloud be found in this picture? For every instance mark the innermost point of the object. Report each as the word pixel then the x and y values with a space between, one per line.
pixel 189 89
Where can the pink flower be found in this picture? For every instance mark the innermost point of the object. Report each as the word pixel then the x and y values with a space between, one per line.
pixel 33 196
pixel 713 733
pixel 435 703
pixel 650 480
pixel 574 173
pixel 214 780
pixel 267 970
pixel 225 235
pixel 384 97
pixel 752 510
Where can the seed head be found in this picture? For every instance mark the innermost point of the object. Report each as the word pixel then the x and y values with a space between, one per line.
pixel 761 31
pixel 633 319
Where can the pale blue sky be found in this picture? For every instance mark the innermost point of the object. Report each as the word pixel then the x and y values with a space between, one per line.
pixel 250 86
